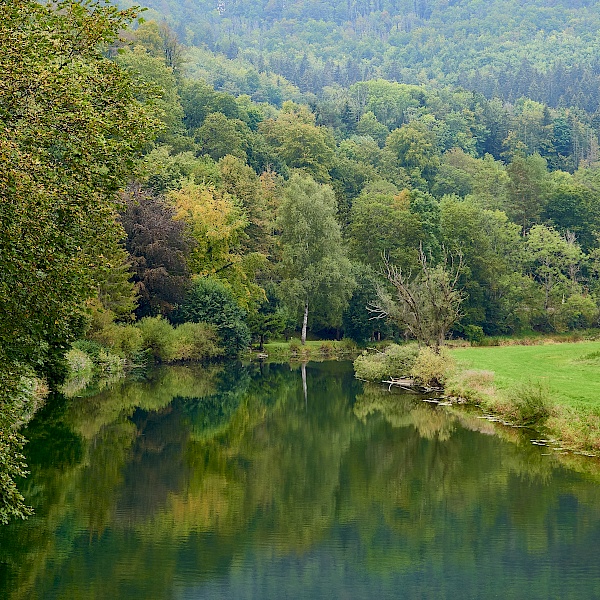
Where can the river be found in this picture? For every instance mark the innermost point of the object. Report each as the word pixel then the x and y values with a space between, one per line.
pixel 254 482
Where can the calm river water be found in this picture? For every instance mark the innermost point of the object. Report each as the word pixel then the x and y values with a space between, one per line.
pixel 234 482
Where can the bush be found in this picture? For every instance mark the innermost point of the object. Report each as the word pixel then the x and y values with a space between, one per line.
pixel 326 349
pixel 431 368
pixel 104 360
pixel 395 361
pixel 158 337
pixel 89 347
pixel 196 341
pixel 79 362
pixel 474 333
pixel 295 347
pixel 345 347
pixel 577 312
pixel 125 340
pixel 210 301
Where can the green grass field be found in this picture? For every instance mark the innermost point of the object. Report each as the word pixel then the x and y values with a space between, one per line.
pixel 568 375
pixel 570 371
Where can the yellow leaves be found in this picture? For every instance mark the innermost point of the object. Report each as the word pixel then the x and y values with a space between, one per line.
pixel 402 200
pixel 216 223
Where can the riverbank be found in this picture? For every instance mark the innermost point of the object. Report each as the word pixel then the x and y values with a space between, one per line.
pixel 554 387
pixel 314 350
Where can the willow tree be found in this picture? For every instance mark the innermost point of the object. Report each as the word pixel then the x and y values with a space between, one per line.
pixel 315 268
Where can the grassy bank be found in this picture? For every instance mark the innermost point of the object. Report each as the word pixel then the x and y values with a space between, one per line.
pixel 312 350
pixel 555 385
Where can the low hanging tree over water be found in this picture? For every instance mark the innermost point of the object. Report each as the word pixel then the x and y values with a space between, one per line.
pixel 426 305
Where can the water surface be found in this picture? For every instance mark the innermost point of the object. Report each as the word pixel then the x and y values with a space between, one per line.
pixel 242 482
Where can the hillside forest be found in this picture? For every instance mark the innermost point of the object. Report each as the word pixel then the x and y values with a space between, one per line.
pixel 180 185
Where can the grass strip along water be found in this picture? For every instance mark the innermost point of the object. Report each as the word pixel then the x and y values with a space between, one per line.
pixel 554 387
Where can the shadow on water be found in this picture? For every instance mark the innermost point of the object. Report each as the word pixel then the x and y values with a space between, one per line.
pixel 270 481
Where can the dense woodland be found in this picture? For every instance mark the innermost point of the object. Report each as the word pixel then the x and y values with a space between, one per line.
pixel 179 186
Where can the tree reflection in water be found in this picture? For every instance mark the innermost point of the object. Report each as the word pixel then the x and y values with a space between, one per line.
pixel 262 481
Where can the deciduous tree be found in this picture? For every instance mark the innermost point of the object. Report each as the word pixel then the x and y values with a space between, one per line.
pixel 316 272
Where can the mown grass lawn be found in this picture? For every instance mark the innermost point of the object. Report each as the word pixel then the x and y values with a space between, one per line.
pixel 570 371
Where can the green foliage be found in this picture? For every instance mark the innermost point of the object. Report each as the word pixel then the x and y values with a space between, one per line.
pixel 316 272
pixel 396 361
pixel 195 342
pixel 432 368
pixel 357 320
pixel 269 317
pixel 529 404
pixel 299 142
pixel 124 340
pixel 474 334
pixel 72 126
pixel 399 229
pixel 104 361
pixel 158 337
pixel 578 312
pixel 80 363
pixel 210 301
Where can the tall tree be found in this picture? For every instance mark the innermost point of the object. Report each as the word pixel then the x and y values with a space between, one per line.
pixel 316 272
pixel 71 127
pixel 426 305
pixel 526 190
pixel 159 247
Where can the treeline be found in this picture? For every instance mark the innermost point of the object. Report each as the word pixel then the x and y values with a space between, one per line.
pixel 288 211
pixel 544 50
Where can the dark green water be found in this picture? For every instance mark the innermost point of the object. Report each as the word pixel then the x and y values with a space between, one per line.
pixel 230 483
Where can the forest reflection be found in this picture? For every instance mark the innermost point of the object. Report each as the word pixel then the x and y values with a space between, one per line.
pixel 212 482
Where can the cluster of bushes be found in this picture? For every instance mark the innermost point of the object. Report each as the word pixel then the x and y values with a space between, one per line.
pixel 117 348
pixel 424 365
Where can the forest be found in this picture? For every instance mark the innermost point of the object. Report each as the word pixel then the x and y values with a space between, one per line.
pixel 178 186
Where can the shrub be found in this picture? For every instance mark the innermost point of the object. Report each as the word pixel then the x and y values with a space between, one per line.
pixel 474 333
pixel 400 359
pixel 158 337
pixel 210 301
pixel 326 349
pixel 345 347
pixel 295 347
pixel 471 385
pixel 195 341
pixel 431 368
pixel 577 312
pixel 395 361
pixel 109 363
pixel 89 347
pixel 370 367
pixel 125 340
pixel 79 362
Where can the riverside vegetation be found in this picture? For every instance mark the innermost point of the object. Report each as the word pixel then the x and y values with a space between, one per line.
pixel 173 192
pixel 548 385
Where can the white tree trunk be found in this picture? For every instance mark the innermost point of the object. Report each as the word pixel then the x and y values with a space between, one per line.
pixel 304 323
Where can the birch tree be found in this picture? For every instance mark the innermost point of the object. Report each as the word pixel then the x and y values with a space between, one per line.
pixel 315 268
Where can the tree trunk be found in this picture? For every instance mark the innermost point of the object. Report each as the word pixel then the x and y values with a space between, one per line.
pixel 304 323
pixel 261 346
